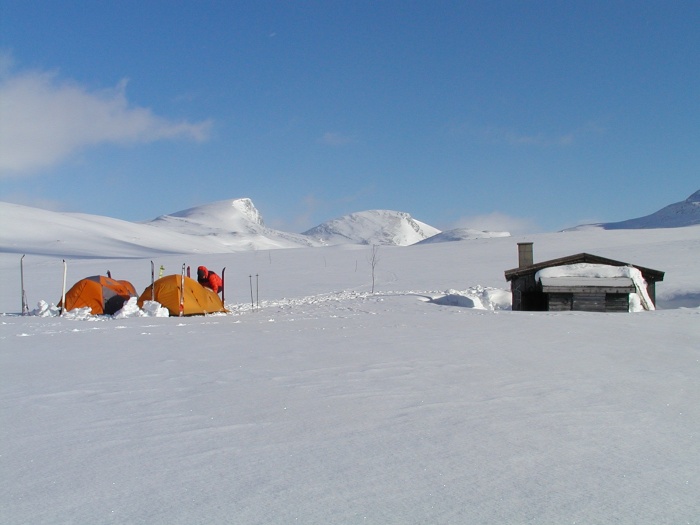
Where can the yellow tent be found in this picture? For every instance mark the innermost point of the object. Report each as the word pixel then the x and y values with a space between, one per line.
pixel 168 291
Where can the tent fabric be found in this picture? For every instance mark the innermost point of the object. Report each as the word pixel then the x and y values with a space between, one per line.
pixel 198 299
pixel 102 294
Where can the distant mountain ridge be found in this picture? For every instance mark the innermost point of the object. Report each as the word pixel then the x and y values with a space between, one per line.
pixel 677 215
pixel 236 225
pixel 218 227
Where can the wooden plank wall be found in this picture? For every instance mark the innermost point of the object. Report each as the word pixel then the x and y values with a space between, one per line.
pixel 560 302
pixel 589 302
pixel 617 302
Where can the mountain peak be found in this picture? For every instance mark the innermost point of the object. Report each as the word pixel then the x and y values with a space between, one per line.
pixel 225 214
pixel 380 227
pixel 694 198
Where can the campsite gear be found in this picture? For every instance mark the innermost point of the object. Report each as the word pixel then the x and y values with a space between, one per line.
pixel 255 303
pixel 182 291
pixel 223 287
pixel 100 293
pixel 153 280
pixel 25 306
pixel 197 300
pixel 63 290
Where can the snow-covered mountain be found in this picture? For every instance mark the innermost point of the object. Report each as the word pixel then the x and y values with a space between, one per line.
pixel 380 227
pixel 218 227
pixel 236 224
pixel 238 215
pixel 679 214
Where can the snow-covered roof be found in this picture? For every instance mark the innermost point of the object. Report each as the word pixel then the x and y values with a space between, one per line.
pixel 612 284
pixel 581 258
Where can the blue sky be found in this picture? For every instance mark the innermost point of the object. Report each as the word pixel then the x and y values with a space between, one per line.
pixel 523 116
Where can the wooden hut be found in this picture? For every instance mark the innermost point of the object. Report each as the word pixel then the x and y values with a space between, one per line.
pixel 594 294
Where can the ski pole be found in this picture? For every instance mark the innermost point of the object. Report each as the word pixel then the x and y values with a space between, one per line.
pixel 25 306
pixel 63 292
pixel 182 291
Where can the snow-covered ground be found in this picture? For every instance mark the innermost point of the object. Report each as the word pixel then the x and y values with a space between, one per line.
pixel 426 402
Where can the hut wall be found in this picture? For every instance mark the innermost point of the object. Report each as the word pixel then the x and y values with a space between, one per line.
pixel 589 302
pixel 560 302
pixel 617 302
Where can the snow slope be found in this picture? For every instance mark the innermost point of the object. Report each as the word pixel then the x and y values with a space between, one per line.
pixel 463 234
pixel 41 232
pixel 374 227
pixel 315 401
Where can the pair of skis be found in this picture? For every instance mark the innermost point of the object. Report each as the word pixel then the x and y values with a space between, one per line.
pixel 182 286
pixel 25 303
pixel 153 279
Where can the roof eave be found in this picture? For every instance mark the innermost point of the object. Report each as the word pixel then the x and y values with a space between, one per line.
pixel 648 273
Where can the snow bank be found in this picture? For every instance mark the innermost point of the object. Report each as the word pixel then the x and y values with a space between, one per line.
pixel 476 297
pixel 130 309
pixel 150 309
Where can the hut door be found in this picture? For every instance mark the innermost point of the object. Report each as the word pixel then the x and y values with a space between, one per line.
pixel 534 302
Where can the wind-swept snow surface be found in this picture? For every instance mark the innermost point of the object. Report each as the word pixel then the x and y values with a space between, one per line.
pixel 462 234
pixel 315 401
pixel 374 410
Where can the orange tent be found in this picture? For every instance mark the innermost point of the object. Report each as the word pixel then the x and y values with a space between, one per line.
pixel 198 299
pixel 103 295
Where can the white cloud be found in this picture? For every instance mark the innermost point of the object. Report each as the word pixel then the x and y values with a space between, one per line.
pixel 335 139
pixel 537 139
pixel 497 221
pixel 44 120
pixel 515 138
